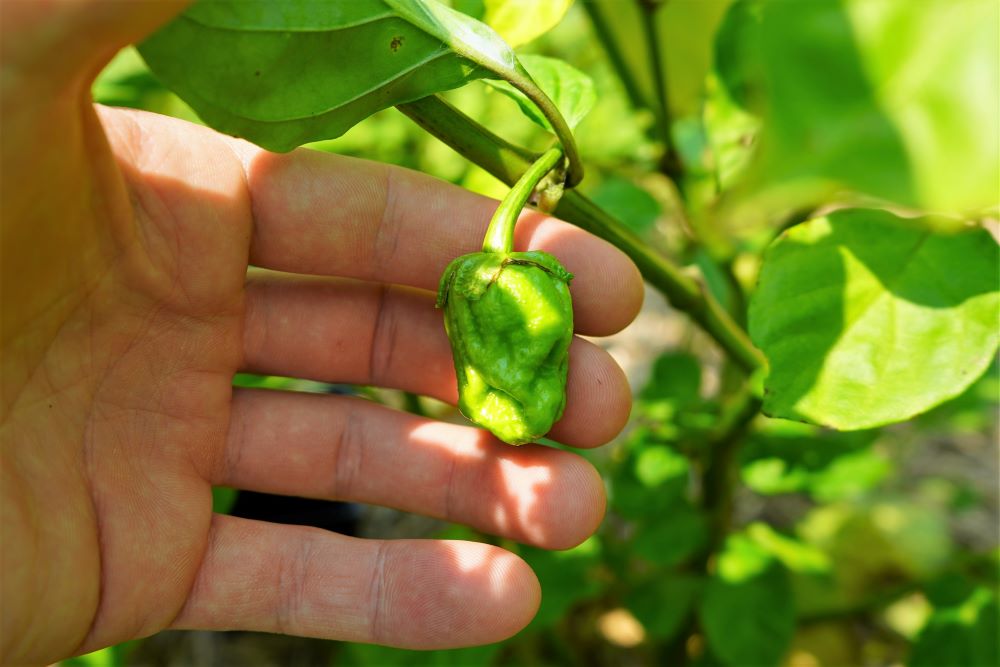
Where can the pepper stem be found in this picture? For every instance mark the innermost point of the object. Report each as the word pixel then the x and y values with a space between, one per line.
pixel 500 233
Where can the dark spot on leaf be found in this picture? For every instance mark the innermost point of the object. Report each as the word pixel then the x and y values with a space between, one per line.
pixel 257 73
pixel 396 43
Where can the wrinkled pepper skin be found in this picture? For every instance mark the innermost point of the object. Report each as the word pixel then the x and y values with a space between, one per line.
pixel 509 318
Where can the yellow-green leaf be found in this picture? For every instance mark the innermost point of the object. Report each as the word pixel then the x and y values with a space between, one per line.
pixel 520 21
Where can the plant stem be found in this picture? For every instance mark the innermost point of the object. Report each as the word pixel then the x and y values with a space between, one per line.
pixel 488 51
pixel 682 290
pixel 411 403
pixel 718 479
pixel 508 162
pixel 719 475
pixel 468 138
pixel 500 233
pixel 670 164
pixel 615 55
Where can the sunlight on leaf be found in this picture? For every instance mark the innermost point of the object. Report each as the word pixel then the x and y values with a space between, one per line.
pixel 657 464
pixel 521 21
pixel 796 555
pixel 867 318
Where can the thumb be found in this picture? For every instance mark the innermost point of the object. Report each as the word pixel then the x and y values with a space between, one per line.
pixel 60 43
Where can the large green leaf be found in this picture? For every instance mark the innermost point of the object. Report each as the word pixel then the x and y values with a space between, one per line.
pixel 747 611
pixel 868 319
pixel 283 74
pixel 893 99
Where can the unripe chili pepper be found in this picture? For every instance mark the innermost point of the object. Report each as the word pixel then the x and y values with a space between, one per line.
pixel 509 318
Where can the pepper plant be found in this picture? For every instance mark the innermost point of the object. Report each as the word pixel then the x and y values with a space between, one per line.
pixel 812 185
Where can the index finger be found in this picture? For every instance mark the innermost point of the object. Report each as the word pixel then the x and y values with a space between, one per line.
pixel 332 215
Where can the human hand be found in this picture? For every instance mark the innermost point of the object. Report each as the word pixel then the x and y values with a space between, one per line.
pixel 127 308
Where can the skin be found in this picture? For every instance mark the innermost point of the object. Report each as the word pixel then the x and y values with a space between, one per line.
pixel 127 308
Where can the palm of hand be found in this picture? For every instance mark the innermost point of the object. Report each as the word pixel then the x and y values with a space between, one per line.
pixel 123 435
pixel 119 413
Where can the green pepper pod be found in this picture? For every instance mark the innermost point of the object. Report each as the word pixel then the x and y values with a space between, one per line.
pixel 509 318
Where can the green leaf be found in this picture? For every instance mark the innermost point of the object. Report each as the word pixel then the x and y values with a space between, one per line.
pixel 650 480
pixel 676 377
pixel 628 202
pixel 284 74
pixel 964 633
pixel 620 23
pixel 685 31
pixel 732 134
pixel 868 319
pixel 112 656
pixel 796 555
pixel 787 457
pixel 566 577
pixel 747 611
pixel 672 536
pixel 106 657
pixel 571 90
pixel 850 476
pixel 662 604
pixel 670 408
pixel 742 559
pixel 892 99
pixel 658 464
pixel 125 81
pixel 902 539
pixel 466 36
pixel 521 21
pixel 971 412
pixel 371 655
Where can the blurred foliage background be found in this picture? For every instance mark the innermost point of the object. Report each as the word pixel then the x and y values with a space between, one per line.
pixel 874 547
